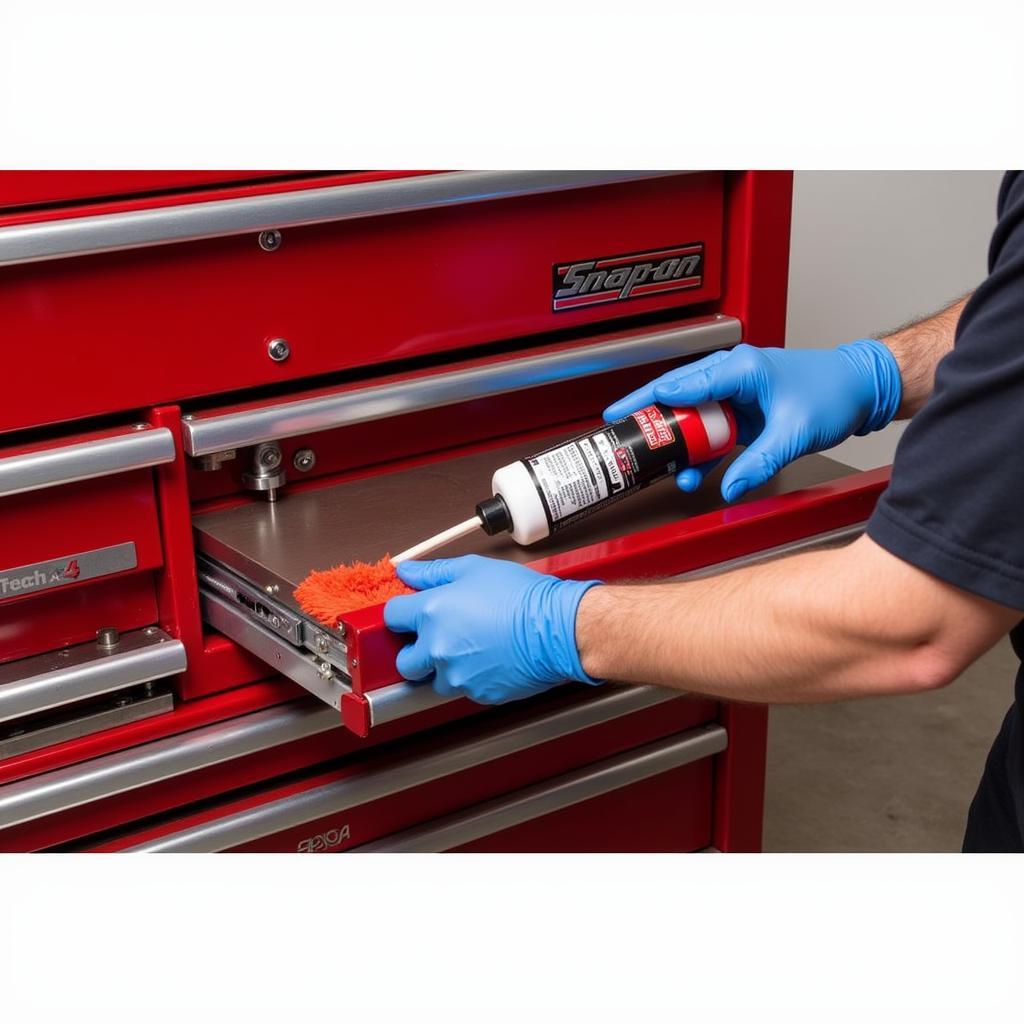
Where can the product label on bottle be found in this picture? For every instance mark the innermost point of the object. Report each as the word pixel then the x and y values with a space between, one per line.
pixel 580 476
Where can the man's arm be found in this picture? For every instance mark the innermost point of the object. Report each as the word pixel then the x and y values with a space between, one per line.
pixel 791 402
pixel 851 622
pixel 917 348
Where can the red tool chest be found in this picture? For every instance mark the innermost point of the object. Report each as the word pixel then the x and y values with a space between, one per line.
pixel 249 375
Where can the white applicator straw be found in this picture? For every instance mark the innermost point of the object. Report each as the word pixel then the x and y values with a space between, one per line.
pixel 439 540
pixel 533 498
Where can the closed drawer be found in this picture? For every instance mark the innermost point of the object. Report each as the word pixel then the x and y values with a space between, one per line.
pixel 423 778
pixel 365 273
pixel 31 188
pixel 79 537
pixel 657 799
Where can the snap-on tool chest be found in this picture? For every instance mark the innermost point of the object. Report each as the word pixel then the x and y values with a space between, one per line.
pixel 224 380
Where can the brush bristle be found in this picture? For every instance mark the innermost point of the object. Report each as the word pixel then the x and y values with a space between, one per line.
pixel 326 595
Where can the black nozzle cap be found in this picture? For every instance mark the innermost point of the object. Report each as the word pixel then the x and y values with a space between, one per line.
pixel 494 515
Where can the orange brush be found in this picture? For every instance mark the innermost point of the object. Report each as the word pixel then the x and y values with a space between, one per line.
pixel 327 595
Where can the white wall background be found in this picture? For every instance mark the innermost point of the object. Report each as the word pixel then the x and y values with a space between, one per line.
pixel 874 249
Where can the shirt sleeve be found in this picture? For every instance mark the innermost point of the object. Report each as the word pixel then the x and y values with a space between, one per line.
pixel 955 505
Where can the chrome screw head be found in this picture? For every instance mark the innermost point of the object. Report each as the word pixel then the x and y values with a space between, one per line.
pixel 304 460
pixel 270 456
pixel 270 240
pixel 279 350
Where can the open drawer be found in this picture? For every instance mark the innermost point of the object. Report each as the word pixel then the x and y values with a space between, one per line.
pixel 252 557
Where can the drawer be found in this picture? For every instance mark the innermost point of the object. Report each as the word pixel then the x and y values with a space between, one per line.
pixel 33 188
pixel 79 537
pixel 253 555
pixel 359 275
pixel 409 783
pixel 656 799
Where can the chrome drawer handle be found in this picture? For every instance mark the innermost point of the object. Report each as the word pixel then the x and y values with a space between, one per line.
pixel 206 433
pixel 84 460
pixel 127 770
pixel 547 797
pixel 300 808
pixel 189 222
pixel 52 680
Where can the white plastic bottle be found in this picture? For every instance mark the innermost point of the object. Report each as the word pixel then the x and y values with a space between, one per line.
pixel 545 493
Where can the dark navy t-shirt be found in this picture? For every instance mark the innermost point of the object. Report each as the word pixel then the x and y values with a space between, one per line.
pixel 955 506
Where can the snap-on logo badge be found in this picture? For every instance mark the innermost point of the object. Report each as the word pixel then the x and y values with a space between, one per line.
pixel 324 840
pixel 627 276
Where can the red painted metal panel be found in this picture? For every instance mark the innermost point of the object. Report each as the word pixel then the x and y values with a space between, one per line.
pixel 65 205
pixel 31 188
pixel 757 225
pixel 73 614
pixel 215 665
pixel 72 519
pixel 190 320
pixel 177 587
pixel 115 812
pixel 668 813
pixel 739 779
pixel 192 715
pixel 383 816
pixel 78 517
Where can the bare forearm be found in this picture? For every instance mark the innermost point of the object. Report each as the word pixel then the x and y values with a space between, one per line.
pixel 918 347
pixel 816 627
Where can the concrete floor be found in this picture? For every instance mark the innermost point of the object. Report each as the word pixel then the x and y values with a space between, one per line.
pixel 886 775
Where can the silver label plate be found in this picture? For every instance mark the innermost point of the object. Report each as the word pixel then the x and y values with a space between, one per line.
pixel 57 572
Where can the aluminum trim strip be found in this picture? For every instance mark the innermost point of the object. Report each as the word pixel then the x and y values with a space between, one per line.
pixel 52 680
pixel 86 460
pixel 86 725
pixel 207 433
pixel 102 777
pixel 816 542
pixel 548 797
pixel 400 700
pixel 189 222
pixel 278 815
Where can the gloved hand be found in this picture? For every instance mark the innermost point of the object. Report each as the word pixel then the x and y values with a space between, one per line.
pixel 490 630
pixel 788 403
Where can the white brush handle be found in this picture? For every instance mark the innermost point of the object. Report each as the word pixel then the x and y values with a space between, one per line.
pixel 438 540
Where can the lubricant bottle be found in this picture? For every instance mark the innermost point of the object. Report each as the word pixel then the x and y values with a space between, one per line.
pixel 545 493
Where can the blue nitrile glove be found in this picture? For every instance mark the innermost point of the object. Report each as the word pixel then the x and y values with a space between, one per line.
pixel 788 403
pixel 490 630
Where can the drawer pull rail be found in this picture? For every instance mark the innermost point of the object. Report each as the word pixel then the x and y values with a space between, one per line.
pixel 39 467
pixel 51 680
pixel 208 432
pixel 189 222
pixel 376 784
pixel 548 797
